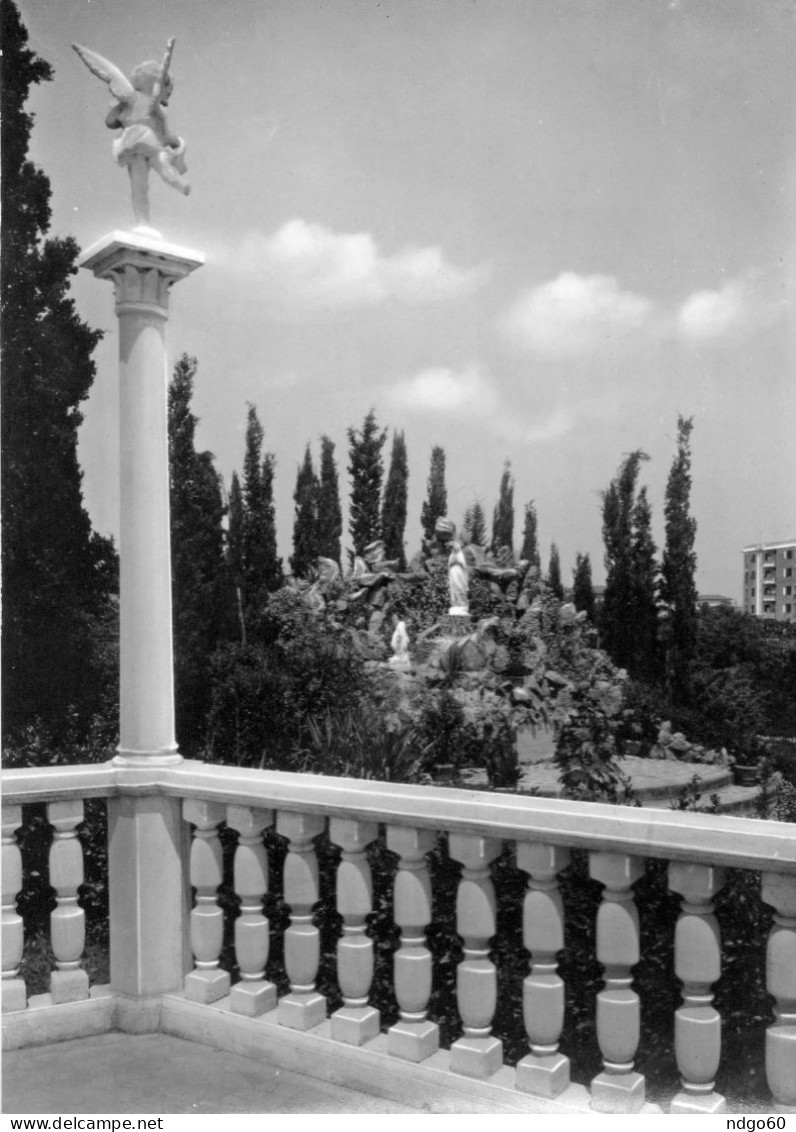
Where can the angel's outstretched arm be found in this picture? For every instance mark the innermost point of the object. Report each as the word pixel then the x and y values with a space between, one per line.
pixel 120 86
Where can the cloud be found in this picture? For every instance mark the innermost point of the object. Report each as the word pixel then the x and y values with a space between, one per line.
pixel 574 315
pixel 308 265
pixel 708 316
pixel 470 394
pixel 439 390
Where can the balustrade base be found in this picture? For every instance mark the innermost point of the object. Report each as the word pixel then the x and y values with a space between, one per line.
pixel 252 998
pixel 207 986
pixel 355 1025
pixel 15 995
pixel 618 1092
pixel 477 1057
pixel 302 1011
pixel 543 1076
pixel 697 1103
pixel 68 986
pixel 413 1041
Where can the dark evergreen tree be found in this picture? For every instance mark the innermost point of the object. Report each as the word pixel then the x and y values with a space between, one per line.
pixel 554 573
pixel 582 588
pixel 262 569
pixel 616 618
pixel 197 559
pixel 474 525
pixel 503 517
pixel 643 661
pixel 330 517
pixel 305 522
pixel 56 574
pixel 366 470
pixel 234 554
pixel 393 511
pixel 678 587
pixel 435 505
pixel 530 537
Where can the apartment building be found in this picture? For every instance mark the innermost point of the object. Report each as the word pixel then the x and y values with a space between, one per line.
pixel 769 580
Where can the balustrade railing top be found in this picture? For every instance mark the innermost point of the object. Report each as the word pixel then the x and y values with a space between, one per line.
pixel 675 835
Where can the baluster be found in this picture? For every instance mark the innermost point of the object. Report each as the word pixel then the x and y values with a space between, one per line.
pixel 14 990
pixel 545 1071
pixel 68 983
pixel 207 982
pixel 414 1038
pixel 355 1022
pixel 618 1088
pixel 697 963
pixel 303 1008
pixel 253 995
pixel 477 1053
pixel 780 892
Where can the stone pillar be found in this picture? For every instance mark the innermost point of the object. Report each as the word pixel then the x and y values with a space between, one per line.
pixel 143 271
pixel 14 996
pixel 356 1022
pixel 780 892
pixel 148 888
pixel 68 982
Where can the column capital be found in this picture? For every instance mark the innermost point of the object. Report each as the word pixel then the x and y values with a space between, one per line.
pixel 142 266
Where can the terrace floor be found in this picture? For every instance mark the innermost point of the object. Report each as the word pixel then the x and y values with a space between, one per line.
pixel 155 1073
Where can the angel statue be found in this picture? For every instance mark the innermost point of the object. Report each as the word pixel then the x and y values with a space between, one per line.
pixel 139 111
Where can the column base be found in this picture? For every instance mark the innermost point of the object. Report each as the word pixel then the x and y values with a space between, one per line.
pixel 618 1092
pixel 15 995
pixel 207 986
pixel 697 1104
pixel 543 1076
pixel 413 1041
pixel 252 997
pixel 302 1011
pixel 355 1025
pixel 477 1057
pixel 69 986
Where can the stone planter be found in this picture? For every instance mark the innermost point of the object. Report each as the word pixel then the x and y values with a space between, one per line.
pixel 746 775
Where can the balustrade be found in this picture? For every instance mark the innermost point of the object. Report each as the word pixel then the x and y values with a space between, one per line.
pixel 304 1007
pixel 355 1022
pixel 414 1037
pixel 207 982
pixel 14 991
pixel 542 831
pixel 545 1071
pixel 697 963
pixel 253 995
pixel 68 982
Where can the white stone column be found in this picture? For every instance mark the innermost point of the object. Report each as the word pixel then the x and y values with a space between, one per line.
pixel 143 270
pixel 14 996
pixel 146 844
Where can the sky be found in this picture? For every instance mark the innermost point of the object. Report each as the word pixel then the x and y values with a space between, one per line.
pixel 524 230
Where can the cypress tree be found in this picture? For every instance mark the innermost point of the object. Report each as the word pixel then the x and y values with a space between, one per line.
pixel 616 619
pixel 554 573
pixel 234 554
pixel 530 538
pixel 366 470
pixel 474 525
pixel 644 613
pixel 678 587
pixel 262 569
pixel 393 511
pixel 435 505
pixel 582 588
pixel 305 522
pixel 330 517
pixel 197 558
pixel 57 575
pixel 503 517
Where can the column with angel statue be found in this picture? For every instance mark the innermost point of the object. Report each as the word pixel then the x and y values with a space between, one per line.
pixel 138 110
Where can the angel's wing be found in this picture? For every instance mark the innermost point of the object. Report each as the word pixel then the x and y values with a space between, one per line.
pixel 120 85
